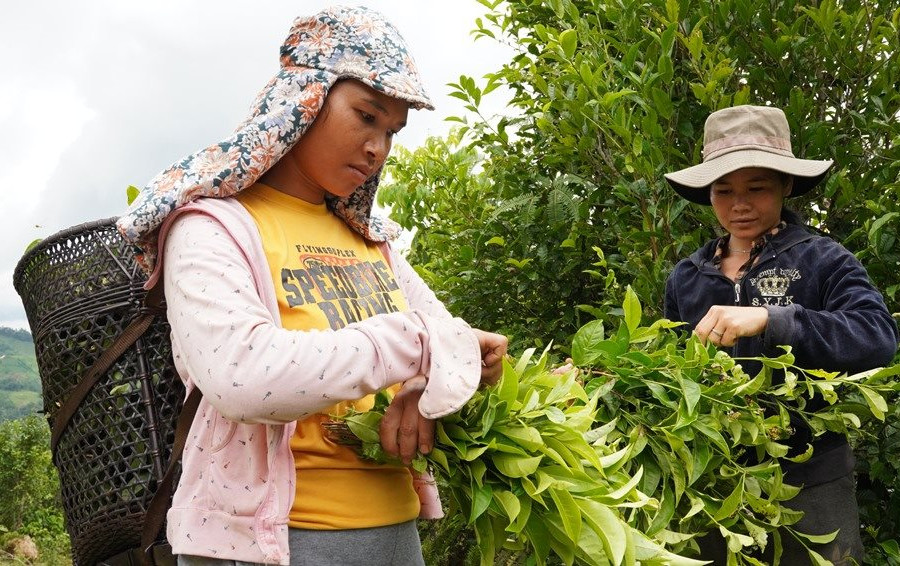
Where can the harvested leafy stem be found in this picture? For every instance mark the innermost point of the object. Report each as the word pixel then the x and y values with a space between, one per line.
pixel 651 441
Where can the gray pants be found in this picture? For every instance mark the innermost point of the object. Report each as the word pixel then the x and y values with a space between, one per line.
pixel 827 507
pixel 394 545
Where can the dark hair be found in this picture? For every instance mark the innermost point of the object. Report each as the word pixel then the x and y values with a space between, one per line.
pixel 792 216
pixel 787 214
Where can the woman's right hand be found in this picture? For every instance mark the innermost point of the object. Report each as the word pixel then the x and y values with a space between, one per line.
pixel 403 429
pixel 724 324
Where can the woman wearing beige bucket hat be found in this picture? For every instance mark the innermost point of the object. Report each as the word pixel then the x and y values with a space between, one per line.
pixel 768 281
pixel 287 305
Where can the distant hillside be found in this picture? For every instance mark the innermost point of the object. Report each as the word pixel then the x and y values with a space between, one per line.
pixel 20 384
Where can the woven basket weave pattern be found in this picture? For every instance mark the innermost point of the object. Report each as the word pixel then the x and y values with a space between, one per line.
pixel 81 288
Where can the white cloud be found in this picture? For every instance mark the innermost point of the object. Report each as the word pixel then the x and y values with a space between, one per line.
pixel 99 95
pixel 47 122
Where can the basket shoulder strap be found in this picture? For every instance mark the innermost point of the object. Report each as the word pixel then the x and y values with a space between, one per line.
pixel 152 306
pixel 156 511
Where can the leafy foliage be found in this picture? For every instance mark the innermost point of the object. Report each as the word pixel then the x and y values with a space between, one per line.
pixel 527 223
pixel 605 97
pixel 878 470
pixel 29 487
pixel 645 452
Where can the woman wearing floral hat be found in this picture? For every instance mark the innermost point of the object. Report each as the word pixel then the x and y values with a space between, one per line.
pixel 287 304
pixel 768 281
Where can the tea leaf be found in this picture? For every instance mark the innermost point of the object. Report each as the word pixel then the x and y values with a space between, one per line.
pixel 584 350
pixel 608 526
pixel 568 512
pixel 516 466
pixel 569 42
pixel 509 502
pixel 730 504
pixel 131 193
pixel 876 402
pixel 366 426
pixel 482 495
pixel 632 308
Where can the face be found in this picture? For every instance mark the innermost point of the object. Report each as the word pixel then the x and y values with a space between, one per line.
pixel 747 202
pixel 348 142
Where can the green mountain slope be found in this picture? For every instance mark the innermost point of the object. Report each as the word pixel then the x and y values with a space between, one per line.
pixel 20 384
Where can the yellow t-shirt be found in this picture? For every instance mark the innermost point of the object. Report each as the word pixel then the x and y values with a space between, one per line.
pixel 327 276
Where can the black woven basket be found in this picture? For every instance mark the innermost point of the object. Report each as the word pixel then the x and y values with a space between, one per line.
pixel 81 287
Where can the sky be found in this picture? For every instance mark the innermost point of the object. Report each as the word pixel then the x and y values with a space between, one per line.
pixel 98 95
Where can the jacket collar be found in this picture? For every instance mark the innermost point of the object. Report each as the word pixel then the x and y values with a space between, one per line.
pixel 785 239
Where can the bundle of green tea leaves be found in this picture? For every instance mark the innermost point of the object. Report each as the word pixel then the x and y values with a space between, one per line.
pixel 629 458
pixel 525 464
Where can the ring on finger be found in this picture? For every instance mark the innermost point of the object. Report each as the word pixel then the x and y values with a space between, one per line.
pixel 716 332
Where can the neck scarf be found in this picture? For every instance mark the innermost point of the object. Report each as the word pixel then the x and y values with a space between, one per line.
pixel 756 249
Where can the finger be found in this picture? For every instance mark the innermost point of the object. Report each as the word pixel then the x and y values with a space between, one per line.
pixel 490 375
pixel 499 353
pixel 704 328
pixel 563 369
pixel 426 434
pixel 729 337
pixel 491 343
pixel 491 358
pixel 502 345
pixel 701 333
pixel 388 431
pixel 488 378
pixel 492 370
pixel 408 433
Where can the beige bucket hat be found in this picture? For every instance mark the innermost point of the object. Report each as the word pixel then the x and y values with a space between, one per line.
pixel 746 136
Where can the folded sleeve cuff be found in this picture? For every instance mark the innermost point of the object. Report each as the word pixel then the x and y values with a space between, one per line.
pixel 453 367
pixel 780 327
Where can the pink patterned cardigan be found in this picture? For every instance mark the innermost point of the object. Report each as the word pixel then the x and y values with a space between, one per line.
pixel 237 483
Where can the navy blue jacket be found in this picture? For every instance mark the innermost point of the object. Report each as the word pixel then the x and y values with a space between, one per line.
pixel 820 302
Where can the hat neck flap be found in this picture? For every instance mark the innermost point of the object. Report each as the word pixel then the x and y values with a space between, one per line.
pixel 337 43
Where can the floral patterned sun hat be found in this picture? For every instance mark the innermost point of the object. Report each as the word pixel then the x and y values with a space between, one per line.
pixel 337 43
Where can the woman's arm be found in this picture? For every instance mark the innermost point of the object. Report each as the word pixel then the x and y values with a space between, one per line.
pixel 851 331
pixel 419 295
pixel 229 345
pixel 670 302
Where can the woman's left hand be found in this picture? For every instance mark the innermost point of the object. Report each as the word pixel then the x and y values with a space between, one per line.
pixel 723 325
pixel 403 429
pixel 493 349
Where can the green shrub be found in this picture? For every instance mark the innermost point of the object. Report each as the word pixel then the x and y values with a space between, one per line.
pixel 29 488
pixel 526 224
pixel 658 440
